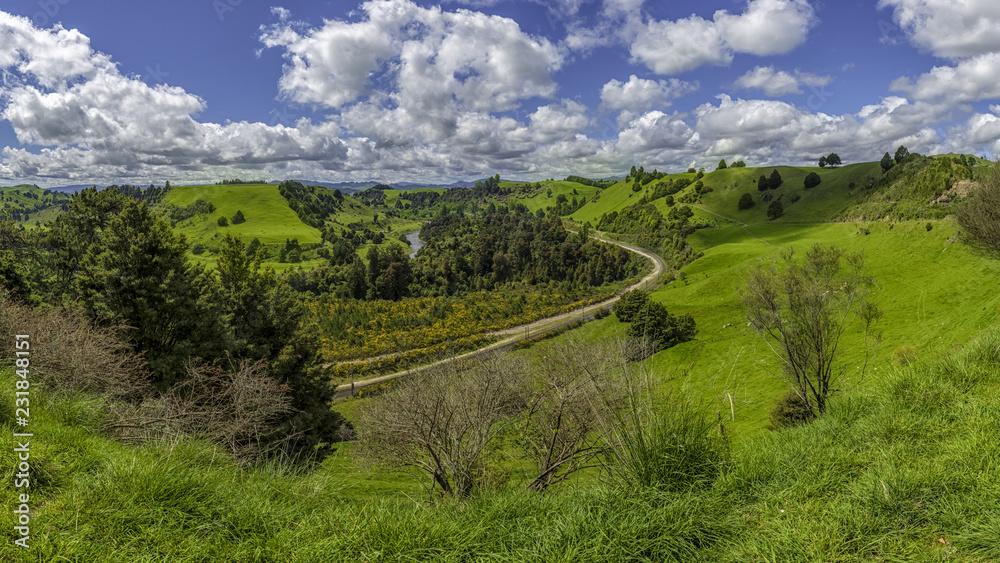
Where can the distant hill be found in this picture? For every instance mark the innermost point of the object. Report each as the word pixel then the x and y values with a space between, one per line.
pixel 355 187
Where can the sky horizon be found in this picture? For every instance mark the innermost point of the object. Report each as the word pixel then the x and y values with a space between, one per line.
pixel 196 91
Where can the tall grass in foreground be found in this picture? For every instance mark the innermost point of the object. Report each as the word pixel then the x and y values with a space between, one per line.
pixel 908 472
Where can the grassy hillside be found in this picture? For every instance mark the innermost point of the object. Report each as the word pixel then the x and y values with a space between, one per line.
pixel 540 198
pixel 907 472
pixel 31 203
pixel 840 187
pixel 268 217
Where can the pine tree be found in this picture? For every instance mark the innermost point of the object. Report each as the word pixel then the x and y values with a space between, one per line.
pixel 775 180
pixel 887 162
pixel 138 276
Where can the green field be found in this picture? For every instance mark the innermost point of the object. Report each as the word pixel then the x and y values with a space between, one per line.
pixel 268 216
pixel 537 199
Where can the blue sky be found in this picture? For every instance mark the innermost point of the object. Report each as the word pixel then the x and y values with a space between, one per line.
pixel 195 91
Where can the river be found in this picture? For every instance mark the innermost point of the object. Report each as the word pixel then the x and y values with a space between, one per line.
pixel 415 242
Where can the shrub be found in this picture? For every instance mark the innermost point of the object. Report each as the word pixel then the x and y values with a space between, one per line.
pixel 198 248
pixel 223 222
pixel 930 226
pixel 790 410
pixel 667 443
pixel 775 210
pixel 69 353
pixel 746 202
pixel 905 355
pixel 979 216
pixel 239 218
pixel 812 180
pixel 796 197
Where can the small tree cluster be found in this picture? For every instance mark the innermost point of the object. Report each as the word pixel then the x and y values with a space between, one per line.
pixel 832 160
pixel 651 323
pixel 771 182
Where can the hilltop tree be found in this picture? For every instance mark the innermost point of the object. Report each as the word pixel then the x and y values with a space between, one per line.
pixel 887 162
pixel 803 309
pixel 901 154
pixel 833 159
pixel 722 165
pixel 822 162
pixel 774 181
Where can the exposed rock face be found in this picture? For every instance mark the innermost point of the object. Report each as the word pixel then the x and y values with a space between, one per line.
pixel 960 188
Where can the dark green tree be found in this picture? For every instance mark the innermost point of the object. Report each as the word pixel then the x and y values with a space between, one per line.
pixel 746 201
pixel 822 162
pixel 762 183
pixel 833 159
pixel 223 222
pixel 887 162
pixel 901 154
pixel 775 210
pixel 722 165
pixel 138 276
pixel 774 181
pixel 238 218
pixel 357 278
pixel 811 180
pixel 630 304
pixel 267 321
pixel 654 324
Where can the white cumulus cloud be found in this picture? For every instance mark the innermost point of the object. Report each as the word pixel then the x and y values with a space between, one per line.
pixel 766 27
pixel 779 82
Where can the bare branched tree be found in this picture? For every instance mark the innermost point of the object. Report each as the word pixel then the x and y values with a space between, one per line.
pixel 802 310
pixel 69 353
pixel 240 408
pixel 443 423
pixel 572 401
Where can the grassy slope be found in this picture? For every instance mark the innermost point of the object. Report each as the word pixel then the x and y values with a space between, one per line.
pixel 936 294
pixel 14 197
pixel 268 216
pixel 907 472
pixel 539 199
